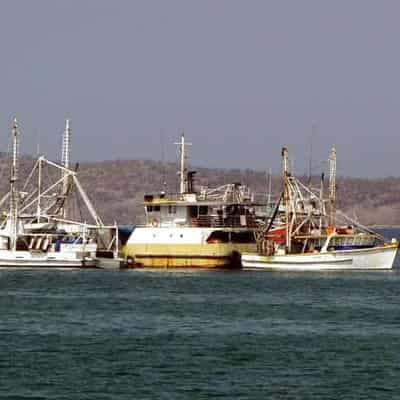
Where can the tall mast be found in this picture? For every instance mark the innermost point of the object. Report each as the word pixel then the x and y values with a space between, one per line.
pixel 39 208
pixel 285 176
pixel 65 161
pixel 321 200
pixel 13 186
pixel 182 172
pixel 183 169
pixel 66 145
pixel 332 188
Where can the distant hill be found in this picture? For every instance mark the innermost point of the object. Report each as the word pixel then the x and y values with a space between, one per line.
pixel 117 188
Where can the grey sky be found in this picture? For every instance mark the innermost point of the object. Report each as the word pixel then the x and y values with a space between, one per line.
pixel 241 78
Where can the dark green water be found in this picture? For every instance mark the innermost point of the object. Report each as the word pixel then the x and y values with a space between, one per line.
pixel 199 335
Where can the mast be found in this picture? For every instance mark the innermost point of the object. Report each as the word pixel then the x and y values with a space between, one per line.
pixel 39 208
pixel 182 171
pixel 13 187
pixel 321 200
pixel 332 188
pixel 65 161
pixel 285 176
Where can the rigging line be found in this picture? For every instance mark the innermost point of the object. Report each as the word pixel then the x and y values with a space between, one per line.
pixel 274 214
pixel 346 217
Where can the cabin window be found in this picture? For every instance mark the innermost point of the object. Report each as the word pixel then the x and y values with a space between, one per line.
pixel 149 208
pixel 218 237
pixel 244 211
pixel 171 209
pixel 203 210
pixel 193 211
pixel 243 237
pixel 156 208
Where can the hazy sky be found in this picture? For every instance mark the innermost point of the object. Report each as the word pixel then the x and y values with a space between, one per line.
pixel 241 78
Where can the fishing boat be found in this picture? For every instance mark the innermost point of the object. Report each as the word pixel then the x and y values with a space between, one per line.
pixel 37 229
pixel 209 228
pixel 316 236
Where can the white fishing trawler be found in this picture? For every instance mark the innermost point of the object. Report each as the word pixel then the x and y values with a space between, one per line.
pixel 36 230
pixel 205 229
pixel 310 237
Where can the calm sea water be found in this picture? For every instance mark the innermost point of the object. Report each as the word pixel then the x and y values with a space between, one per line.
pixel 199 335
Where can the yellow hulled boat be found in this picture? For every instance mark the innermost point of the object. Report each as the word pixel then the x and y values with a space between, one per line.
pixel 204 229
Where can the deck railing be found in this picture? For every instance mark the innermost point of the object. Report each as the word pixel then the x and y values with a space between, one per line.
pixel 207 221
pixel 236 221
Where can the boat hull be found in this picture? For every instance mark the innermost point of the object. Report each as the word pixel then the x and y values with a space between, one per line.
pixel 26 259
pixel 377 258
pixel 181 248
pixel 186 256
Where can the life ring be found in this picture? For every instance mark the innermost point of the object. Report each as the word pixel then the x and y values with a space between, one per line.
pixel 155 222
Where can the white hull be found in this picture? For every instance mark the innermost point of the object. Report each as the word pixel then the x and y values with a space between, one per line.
pixel 377 258
pixel 27 259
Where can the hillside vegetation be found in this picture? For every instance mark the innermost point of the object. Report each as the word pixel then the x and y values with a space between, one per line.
pixel 117 187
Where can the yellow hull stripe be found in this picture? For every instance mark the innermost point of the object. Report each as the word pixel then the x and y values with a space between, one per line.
pixel 185 255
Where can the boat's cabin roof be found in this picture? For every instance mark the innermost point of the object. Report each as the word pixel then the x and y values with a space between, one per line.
pixel 191 198
pixel 190 209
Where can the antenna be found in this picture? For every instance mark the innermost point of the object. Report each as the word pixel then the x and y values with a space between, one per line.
pixel 38 143
pixel 163 182
pixel 182 146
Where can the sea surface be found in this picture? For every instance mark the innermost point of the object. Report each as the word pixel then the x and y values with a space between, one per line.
pixel 89 334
